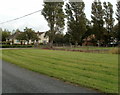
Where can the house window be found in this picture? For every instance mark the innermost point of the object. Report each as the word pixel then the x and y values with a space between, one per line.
pixel 17 41
pixel 44 42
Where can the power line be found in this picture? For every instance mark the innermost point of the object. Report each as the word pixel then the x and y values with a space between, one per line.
pixel 20 17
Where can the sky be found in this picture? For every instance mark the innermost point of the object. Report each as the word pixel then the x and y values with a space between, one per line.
pixel 11 9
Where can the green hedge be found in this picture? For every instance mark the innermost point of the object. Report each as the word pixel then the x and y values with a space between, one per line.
pixel 16 46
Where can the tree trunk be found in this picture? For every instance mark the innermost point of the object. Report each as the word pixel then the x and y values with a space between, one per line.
pixel 51 44
pixel 33 42
pixel 28 42
pixel 12 41
pixel 24 42
pixel 76 44
pixel 21 42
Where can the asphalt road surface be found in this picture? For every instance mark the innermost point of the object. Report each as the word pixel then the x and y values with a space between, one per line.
pixel 20 80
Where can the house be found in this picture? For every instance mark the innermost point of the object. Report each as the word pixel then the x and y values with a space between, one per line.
pixel 41 35
pixel 12 38
pixel 89 41
pixel 42 38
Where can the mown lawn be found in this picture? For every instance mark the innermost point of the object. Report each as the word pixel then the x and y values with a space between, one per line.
pixel 98 71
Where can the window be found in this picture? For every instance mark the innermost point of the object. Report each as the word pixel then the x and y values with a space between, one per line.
pixel 17 41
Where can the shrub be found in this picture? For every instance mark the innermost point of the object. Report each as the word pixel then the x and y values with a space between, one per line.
pixel 5 43
pixel 16 46
pixel 41 44
pixel 115 50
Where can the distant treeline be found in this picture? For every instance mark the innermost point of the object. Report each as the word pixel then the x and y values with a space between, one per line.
pixel 100 30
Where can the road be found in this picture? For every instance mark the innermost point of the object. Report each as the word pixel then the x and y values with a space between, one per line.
pixel 20 80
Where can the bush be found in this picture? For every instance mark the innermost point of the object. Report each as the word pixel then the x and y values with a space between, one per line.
pixel 5 43
pixel 115 50
pixel 16 46
pixel 41 44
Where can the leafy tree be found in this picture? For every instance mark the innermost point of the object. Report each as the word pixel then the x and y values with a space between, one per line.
pixel 35 37
pixel 4 34
pixel 97 20
pixel 27 35
pixel 17 30
pixel 109 21
pixel 1 34
pixel 89 33
pixel 67 38
pixel 89 30
pixel 76 20
pixel 115 32
pixel 21 37
pixel 59 38
pixel 118 18
pixel 53 13
pixel 30 35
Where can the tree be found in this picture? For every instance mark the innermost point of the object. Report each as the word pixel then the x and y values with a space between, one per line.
pixel 97 20
pixel 118 18
pixel 67 39
pixel 59 38
pixel 76 20
pixel 53 13
pixel 35 38
pixel 89 30
pixel 21 37
pixel 115 32
pixel 109 21
pixel 89 34
pixel 4 34
pixel 29 35
pixel 1 34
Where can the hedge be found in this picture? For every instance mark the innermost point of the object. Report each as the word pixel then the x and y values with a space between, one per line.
pixel 16 46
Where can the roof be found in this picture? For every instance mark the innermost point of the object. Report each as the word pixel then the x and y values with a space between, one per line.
pixel 89 37
pixel 39 33
pixel 13 36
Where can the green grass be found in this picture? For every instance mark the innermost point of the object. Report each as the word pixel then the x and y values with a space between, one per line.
pixel 98 71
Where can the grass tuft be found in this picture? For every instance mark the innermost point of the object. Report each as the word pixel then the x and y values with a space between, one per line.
pixel 115 51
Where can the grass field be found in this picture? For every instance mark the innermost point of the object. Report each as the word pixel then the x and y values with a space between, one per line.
pixel 98 71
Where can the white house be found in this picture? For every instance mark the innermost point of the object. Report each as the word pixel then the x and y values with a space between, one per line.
pixel 42 38
pixel 41 35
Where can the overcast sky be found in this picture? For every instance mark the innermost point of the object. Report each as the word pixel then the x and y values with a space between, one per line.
pixel 10 9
